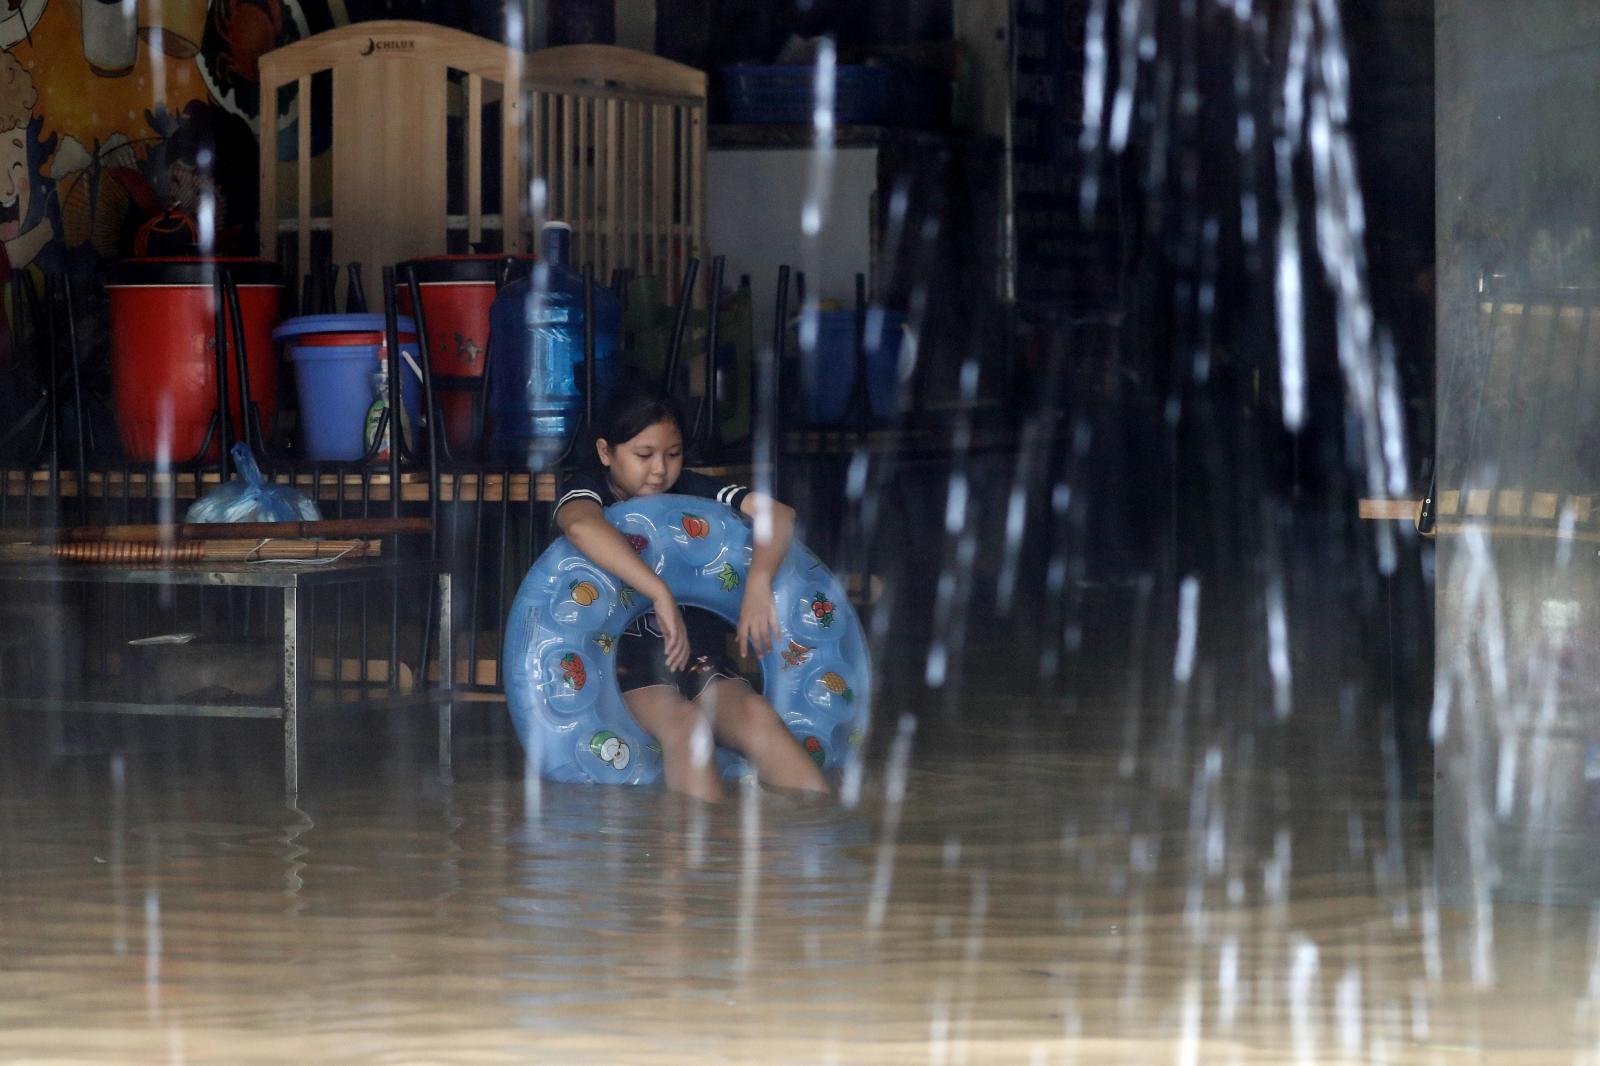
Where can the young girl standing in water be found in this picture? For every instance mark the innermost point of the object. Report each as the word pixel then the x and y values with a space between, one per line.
pixel 675 678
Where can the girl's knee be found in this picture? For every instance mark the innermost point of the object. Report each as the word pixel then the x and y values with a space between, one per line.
pixel 681 725
pixel 668 721
pixel 746 718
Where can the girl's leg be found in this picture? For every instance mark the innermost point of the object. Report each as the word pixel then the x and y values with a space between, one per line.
pixel 743 720
pixel 685 738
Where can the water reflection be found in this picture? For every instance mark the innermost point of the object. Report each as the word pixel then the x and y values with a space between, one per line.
pixel 1017 895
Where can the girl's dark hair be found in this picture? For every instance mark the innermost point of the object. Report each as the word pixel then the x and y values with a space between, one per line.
pixel 630 411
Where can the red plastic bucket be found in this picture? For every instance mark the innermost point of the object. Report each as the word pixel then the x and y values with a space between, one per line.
pixel 456 293
pixel 163 352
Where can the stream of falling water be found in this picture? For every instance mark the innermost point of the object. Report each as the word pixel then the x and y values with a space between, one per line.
pixel 1008 882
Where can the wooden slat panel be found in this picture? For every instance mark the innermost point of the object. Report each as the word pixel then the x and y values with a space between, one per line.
pixel 538 155
pixel 302 164
pixel 513 114
pixel 390 78
pixel 680 202
pixel 1375 509
pixel 568 155
pixel 475 158
pixel 267 173
pixel 623 155
pixel 610 65
pixel 636 177
pixel 387 207
pixel 412 44
pixel 582 248
pixel 514 118
pixel 463 487
pixel 696 151
pixel 613 201
pixel 661 196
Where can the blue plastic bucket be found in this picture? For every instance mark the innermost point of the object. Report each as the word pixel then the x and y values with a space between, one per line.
pixel 828 385
pixel 338 362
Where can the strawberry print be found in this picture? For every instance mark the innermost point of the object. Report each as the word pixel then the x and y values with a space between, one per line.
pixel 822 609
pixel 813 748
pixel 572 672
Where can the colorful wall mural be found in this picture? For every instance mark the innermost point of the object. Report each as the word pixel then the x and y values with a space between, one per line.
pixel 130 126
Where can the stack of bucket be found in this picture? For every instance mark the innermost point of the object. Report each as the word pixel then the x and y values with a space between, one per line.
pixel 828 375
pixel 164 355
pixel 457 292
pixel 531 329
pixel 163 352
pixel 341 368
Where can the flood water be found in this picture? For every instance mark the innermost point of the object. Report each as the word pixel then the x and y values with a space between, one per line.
pixel 1013 891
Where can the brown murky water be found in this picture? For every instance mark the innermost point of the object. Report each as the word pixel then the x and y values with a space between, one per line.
pixel 1024 900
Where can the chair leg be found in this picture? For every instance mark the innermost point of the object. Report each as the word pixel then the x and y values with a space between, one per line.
pixel 291 692
pixel 446 679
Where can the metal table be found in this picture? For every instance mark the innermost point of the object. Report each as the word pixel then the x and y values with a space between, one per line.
pixel 292 578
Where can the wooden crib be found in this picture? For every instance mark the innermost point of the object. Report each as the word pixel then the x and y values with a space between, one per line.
pixel 383 141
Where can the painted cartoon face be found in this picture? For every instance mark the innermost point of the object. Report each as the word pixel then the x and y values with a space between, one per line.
pixel 15 187
pixel 647 464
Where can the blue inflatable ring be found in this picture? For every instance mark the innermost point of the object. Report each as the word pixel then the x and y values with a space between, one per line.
pixel 568 614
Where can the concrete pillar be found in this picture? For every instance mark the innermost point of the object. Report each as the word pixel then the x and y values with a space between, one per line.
pixel 1517 684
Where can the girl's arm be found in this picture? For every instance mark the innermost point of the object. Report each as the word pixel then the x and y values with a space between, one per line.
pixel 585 525
pixel 774 530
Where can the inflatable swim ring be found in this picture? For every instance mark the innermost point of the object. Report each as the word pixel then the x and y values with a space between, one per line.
pixel 568 614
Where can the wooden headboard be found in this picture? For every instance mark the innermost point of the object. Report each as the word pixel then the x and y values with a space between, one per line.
pixel 618 140
pixel 613 141
pixel 385 198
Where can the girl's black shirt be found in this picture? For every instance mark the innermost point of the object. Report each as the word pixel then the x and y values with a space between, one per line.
pixel 641 651
pixel 595 485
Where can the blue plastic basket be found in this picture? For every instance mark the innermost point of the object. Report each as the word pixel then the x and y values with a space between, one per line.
pixel 764 94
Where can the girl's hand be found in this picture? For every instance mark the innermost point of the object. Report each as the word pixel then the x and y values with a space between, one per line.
pixel 673 632
pixel 758 615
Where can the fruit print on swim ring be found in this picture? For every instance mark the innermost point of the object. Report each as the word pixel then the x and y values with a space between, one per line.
pixel 560 682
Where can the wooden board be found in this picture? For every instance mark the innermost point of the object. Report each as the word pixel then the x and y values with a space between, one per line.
pixel 453 487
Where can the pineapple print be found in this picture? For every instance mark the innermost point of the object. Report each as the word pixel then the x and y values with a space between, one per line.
pixel 838 686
